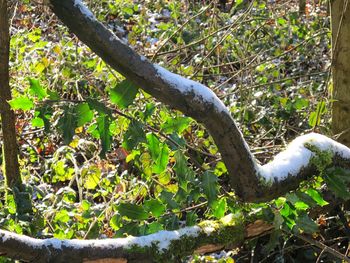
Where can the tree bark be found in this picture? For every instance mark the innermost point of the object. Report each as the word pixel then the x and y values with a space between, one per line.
pixel 250 181
pixel 208 110
pixel 10 150
pixel 164 246
pixel 340 21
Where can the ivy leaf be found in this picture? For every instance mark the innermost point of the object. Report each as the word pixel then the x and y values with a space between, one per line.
pixel 62 216
pixel 155 207
pixel 103 123
pixel 98 106
pixel 178 124
pixel 123 94
pixel 305 223
pixel 209 186
pixel 153 145
pixel 45 112
pixel 219 208
pixel 153 228
pixel 132 211
pixel 315 195
pixel 183 173
pixel 92 177
pixel 36 89
pixel 191 218
pixel 21 103
pixel 67 124
pixel 168 198
pixel 337 185
pixel 162 160
pixel 133 136
pixel 84 114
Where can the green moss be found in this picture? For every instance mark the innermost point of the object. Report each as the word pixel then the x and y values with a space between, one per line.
pixel 228 230
pixel 322 159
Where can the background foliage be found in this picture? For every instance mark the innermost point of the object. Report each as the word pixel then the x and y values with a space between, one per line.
pixel 101 158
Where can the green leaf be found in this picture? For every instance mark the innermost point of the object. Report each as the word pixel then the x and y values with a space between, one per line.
pixel 210 186
pixel 315 117
pixel 98 106
pixel 155 207
pixel 91 177
pixel 338 186
pixel 36 89
pixel 219 208
pixel 162 160
pixel 183 172
pixel 62 216
pixel 178 124
pixel 191 218
pixel 115 222
pixel 21 103
pixel 38 122
pixel 103 123
pixel 153 228
pixel 67 124
pixel 305 223
pixel 168 198
pixel 85 204
pixel 84 114
pixel 132 211
pixel 134 135
pixel 45 112
pixel 153 145
pixel 315 195
pixel 123 94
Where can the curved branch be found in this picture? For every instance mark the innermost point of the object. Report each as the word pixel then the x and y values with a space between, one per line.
pixel 164 246
pixel 250 181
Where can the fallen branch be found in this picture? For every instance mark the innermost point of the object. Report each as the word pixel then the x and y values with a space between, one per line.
pixel 164 246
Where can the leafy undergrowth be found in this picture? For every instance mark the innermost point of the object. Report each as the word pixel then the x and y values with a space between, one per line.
pixel 101 158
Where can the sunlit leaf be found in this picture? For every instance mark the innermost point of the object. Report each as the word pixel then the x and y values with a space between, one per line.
pixel 155 207
pixel 123 94
pixel 36 89
pixel 21 103
pixel 153 145
pixel 162 160
pixel 132 211
pixel 210 186
pixel 178 124
pixel 84 114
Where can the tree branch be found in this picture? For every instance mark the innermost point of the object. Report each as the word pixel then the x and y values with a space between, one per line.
pixel 164 246
pixel 250 181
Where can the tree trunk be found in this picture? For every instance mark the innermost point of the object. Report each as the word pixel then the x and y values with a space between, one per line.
pixel 10 150
pixel 340 20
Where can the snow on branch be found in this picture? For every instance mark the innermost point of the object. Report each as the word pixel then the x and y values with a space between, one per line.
pixel 164 246
pixel 297 156
pixel 250 181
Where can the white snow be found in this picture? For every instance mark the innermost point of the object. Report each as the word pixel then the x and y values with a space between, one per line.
pixel 297 156
pixel 162 239
pixel 84 9
pixel 208 229
pixel 187 86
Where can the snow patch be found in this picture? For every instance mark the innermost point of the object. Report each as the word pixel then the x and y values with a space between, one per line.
pixel 296 156
pixel 187 86
pixel 208 229
pixel 84 9
pixel 162 239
